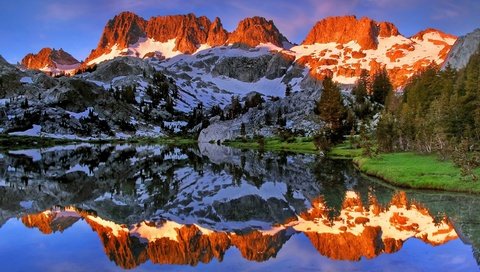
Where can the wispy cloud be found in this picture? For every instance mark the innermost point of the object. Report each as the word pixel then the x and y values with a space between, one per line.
pixel 64 11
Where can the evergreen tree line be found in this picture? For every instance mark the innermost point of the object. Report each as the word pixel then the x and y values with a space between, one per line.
pixel 343 115
pixel 438 112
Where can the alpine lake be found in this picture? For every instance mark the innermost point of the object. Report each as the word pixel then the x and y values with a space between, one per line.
pixel 206 207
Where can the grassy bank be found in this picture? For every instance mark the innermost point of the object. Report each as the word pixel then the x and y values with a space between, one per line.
pixel 417 171
pixel 298 145
pixel 408 170
pixel 344 150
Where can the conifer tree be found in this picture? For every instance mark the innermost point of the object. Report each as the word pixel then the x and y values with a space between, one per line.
pixel 288 90
pixel 360 91
pixel 331 108
pixel 381 86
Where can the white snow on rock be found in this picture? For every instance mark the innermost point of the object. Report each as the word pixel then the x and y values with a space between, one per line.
pixel 27 80
pixel 78 115
pixel 35 131
pixel 35 154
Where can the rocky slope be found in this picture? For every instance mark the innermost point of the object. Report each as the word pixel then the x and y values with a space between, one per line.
pixel 51 61
pixel 463 49
pixel 111 102
pixel 344 46
pixel 296 111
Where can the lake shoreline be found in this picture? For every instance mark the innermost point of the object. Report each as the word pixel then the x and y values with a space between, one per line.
pixel 401 169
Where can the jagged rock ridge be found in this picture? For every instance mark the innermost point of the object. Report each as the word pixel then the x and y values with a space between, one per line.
pixel 50 60
pixel 344 29
pixel 187 32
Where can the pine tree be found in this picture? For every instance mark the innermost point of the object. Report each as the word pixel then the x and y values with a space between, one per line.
pixel 268 119
pixel 381 86
pixel 129 94
pixel 280 119
pixel 360 91
pixel 24 104
pixel 331 108
pixel 235 107
pixel 288 90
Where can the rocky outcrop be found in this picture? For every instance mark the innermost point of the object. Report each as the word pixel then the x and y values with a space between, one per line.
pixel 278 65
pixel 217 35
pixel 3 62
pixel 120 67
pixel 123 30
pixel 345 29
pixel 49 222
pixel 48 58
pixel 81 106
pixel 188 31
pixel 463 49
pixel 297 109
pixel 243 68
pixel 255 31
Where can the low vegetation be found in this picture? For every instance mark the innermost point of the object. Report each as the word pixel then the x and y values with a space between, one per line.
pixel 297 144
pixel 406 169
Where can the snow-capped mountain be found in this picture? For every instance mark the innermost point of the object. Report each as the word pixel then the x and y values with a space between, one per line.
pixel 344 46
pixel 51 61
pixel 127 34
pixel 336 46
pixel 204 64
pixel 359 232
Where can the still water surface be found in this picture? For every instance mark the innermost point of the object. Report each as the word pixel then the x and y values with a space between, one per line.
pixel 211 208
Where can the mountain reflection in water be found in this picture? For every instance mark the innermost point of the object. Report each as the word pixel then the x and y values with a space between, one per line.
pixel 190 206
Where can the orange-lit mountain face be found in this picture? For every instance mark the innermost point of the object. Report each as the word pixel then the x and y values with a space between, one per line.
pixel 184 34
pixel 51 61
pixel 344 46
pixel 359 231
pixel 341 47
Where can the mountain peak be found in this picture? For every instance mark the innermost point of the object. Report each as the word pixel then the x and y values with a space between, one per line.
pixel 256 30
pixel 124 29
pixel 434 32
pixel 50 58
pixel 344 29
pixel 188 32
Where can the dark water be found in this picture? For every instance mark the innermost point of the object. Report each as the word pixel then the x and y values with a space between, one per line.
pixel 211 208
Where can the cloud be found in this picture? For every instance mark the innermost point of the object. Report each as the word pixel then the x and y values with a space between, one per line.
pixel 70 10
pixel 64 11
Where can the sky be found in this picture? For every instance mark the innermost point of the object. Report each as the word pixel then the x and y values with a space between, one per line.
pixel 26 26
